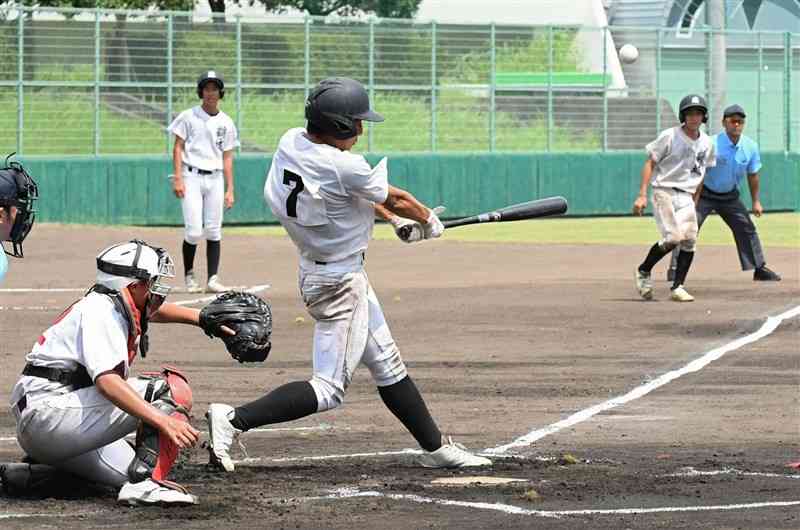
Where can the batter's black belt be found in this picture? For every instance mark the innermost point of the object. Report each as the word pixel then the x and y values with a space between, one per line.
pixel 78 378
pixel 198 170
pixel 363 258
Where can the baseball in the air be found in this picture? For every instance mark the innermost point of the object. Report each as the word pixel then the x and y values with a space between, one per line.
pixel 628 53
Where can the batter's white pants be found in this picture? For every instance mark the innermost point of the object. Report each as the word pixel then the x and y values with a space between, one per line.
pixel 350 329
pixel 675 217
pixel 81 432
pixel 203 205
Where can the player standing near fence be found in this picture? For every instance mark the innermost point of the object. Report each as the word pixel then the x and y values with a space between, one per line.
pixel 18 194
pixel 202 160
pixel 675 167
pixel 327 198
pixel 737 156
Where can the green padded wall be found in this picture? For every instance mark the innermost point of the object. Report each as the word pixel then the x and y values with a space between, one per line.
pixel 135 190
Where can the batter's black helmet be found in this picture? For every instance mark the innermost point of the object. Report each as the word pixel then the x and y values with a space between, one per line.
pixel 18 189
pixel 336 103
pixel 210 75
pixel 692 101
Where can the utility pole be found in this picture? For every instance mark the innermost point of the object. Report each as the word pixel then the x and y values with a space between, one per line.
pixel 718 68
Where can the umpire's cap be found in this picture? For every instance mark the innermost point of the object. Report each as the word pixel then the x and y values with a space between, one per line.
pixel 336 103
pixel 692 101
pixel 208 76
pixel 734 110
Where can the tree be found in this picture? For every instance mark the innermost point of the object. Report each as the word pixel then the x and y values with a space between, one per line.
pixel 381 8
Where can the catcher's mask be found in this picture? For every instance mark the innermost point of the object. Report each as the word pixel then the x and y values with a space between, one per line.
pixel 124 263
pixel 208 77
pixel 19 190
pixel 336 103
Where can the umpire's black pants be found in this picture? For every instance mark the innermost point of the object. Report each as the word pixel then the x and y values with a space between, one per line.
pixel 733 212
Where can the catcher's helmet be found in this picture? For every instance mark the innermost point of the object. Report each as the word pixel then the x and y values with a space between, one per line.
pixel 125 263
pixel 18 189
pixel 336 103
pixel 209 76
pixel 692 101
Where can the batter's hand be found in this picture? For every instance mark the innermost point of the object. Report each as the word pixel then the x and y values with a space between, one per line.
pixel 229 200
pixel 177 187
pixel 411 234
pixel 433 227
pixel 757 208
pixel 179 432
pixel 639 205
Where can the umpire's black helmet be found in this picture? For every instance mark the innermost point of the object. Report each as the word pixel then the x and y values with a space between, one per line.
pixel 336 103
pixel 209 76
pixel 692 101
pixel 18 189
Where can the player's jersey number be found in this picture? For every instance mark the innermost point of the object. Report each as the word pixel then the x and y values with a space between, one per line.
pixel 291 200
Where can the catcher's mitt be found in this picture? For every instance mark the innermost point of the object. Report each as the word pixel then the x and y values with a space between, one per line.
pixel 246 314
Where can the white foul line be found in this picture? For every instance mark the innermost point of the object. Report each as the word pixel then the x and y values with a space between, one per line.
pixel 516 510
pixel 768 327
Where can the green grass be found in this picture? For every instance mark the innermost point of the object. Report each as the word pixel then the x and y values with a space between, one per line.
pixel 775 230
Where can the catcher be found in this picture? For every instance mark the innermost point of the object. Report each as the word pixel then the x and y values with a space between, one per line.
pixel 74 402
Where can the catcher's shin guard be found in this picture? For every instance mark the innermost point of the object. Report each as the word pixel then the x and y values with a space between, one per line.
pixel 169 392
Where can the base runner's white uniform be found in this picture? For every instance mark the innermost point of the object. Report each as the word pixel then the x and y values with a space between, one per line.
pixel 324 199
pixel 80 431
pixel 205 138
pixel 680 165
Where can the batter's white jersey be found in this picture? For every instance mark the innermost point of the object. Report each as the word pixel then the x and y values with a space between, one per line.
pixel 680 162
pixel 206 137
pixel 90 333
pixel 324 197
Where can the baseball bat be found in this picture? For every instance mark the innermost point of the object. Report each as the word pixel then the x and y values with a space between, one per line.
pixel 515 212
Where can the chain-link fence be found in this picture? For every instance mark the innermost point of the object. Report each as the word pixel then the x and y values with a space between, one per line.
pixel 108 82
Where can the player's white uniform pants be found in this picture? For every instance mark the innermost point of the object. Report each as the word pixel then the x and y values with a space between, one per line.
pixel 675 217
pixel 81 432
pixel 350 329
pixel 202 205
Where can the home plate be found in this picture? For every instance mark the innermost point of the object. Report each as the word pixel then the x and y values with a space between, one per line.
pixel 475 481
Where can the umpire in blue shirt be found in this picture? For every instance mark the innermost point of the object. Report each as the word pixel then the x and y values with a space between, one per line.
pixel 737 156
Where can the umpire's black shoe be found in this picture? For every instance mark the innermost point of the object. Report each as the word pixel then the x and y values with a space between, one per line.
pixel 763 274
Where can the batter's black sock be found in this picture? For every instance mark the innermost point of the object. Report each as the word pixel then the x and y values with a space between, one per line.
pixel 405 402
pixel 684 262
pixel 212 257
pixel 654 256
pixel 286 403
pixel 188 257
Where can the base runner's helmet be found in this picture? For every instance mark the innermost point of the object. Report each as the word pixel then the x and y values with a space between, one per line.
pixel 18 189
pixel 210 76
pixel 692 101
pixel 125 263
pixel 336 103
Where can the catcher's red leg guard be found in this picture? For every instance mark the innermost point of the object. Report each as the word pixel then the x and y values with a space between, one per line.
pixel 169 392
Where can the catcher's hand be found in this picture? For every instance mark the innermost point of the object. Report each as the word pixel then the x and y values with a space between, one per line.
pixel 247 315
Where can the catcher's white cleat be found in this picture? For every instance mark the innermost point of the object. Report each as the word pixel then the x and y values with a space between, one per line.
pixel 221 435
pixel 150 492
pixel 214 286
pixel 453 454
pixel 679 294
pixel 644 284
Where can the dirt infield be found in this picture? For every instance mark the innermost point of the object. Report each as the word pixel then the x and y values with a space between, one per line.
pixel 503 340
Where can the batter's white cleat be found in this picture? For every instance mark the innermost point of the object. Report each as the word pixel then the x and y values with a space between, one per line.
pixel 452 454
pixel 149 492
pixel 679 294
pixel 191 283
pixel 644 284
pixel 221 434
pixel 214 286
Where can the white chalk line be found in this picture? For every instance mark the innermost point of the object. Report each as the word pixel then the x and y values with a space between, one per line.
pixel 768 327
pixel 192 301
pixel 345 493
pixel 27 515
pixel 692 472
